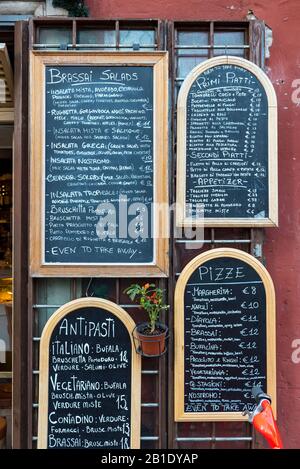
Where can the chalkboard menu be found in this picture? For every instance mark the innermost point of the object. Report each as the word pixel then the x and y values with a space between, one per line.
pixel 100 146
pixel 224 134
pixel 224 314
pixel 87 367
pixel 99 149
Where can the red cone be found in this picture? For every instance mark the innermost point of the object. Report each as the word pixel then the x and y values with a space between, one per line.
pixel 265 424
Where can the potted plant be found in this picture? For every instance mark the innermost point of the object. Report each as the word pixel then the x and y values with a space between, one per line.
pixel 152 334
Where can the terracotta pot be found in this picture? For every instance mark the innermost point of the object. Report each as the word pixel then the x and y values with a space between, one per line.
pixel 152 345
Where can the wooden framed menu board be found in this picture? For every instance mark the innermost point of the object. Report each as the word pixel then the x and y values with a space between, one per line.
pixel 90 378
pixel 99 163
pixel 227 146
pixel 224 336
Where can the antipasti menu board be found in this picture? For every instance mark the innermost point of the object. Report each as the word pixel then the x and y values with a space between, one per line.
pixel 224 313
pixel 224 136
pixel 98 183
pixel 87 366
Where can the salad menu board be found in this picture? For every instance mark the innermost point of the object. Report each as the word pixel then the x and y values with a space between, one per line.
pixel 224 135
pixel 101 134
pixel 98 160
pixel 224 329
pixel 89 378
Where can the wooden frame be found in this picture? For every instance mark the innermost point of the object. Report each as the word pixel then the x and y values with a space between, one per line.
pixel 22 310
pixel 38 61
pixel 181 218
pixel 121 314
pixel 180 414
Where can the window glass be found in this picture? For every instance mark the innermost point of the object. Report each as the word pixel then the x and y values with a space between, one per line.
pixel 97 36
pixel 192 38
pixel 188 58
pixel 186 64
pixel 55 36
pixel 143 37
pixel 51 292
pixel 229 38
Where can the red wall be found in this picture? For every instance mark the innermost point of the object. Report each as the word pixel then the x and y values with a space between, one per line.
pixel 282 246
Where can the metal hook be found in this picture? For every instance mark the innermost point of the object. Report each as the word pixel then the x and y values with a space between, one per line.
pixel 88 287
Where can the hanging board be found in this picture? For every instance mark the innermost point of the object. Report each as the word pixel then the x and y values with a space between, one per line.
pixel 98 164
pixel 224 336
pixel 90 378
pixel 227 146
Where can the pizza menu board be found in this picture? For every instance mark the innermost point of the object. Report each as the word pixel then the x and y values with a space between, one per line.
pixel 98 161
pixel 224 136
pixel 224 321
pixel 89 381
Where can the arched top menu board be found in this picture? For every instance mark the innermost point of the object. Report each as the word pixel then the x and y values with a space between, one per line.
pixel 227 146
pixel 90 378
pixel 224 336
pixel 99 164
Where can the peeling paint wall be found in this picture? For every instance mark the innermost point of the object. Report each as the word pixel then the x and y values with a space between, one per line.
pixel 282 247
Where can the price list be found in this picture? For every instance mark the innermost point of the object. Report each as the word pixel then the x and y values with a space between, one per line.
pixel 227 144
pixel 225 336
pixel 98 164
pixel 89 398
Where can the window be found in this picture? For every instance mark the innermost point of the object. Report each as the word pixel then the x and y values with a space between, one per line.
pixel 188 43
pixel 194 43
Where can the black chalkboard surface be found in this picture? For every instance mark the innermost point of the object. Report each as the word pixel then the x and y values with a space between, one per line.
pixel 227 145
pixel 98 155
pixel 89 381
pixel 225 335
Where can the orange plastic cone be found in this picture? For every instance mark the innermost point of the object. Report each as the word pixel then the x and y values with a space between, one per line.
pixel 265 424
